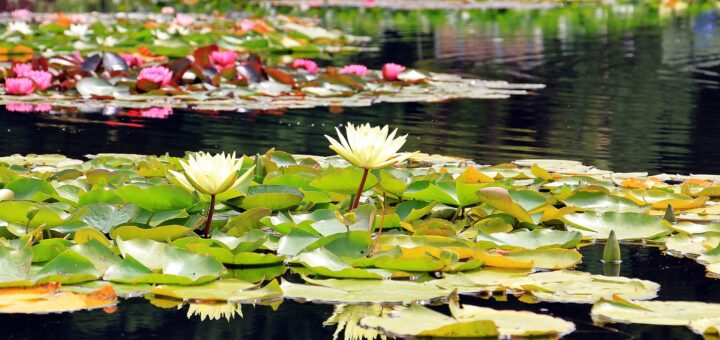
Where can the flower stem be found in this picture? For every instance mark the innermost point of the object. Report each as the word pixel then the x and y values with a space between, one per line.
pixel 211 210
pixel 356 201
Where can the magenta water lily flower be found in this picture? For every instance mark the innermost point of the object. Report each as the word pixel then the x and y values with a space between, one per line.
pixel 390 71
pixel 131 60
pixel 359 70
pixel 184 20
pixel 42 79
pixel 21 14
pixel 167 10
pixel 19 86
pixel 247 24
pixel 309 65
pixel 223 59
pixel 158 75
pixel 21 69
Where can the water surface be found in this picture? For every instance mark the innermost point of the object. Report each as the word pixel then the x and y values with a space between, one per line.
pixel 627 89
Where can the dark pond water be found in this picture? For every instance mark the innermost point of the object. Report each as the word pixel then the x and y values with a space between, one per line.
pixel 626 90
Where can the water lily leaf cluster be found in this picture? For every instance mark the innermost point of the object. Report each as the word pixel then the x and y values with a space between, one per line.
pixel 173 35
pixel 425 230
pixel 244 82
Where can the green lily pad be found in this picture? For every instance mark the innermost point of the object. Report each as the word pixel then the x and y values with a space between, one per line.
pixel 627 226
pixel 581 287
pixel 547 258
pixel 535 239
pixel 500 199
pixel 240 224
pixel 31 214
pixel 323 262
pixel 101 256
pixel 165 233
pixel 345 181
pixel 178 267
pixel 352 291
pixel 69 267
pixel 456 193
pixel 274 197
pixel 468 321
pixel 158 198
pixel 15 267
pixel 105 216
pixel 670 313
pixel 600 201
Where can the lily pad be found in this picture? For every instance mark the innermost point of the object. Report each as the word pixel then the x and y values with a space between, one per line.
pixel 351 291
pixel 468 321
pixel 627 226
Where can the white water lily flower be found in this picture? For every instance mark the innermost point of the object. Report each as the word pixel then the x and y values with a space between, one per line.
pixel 210 174
pixel 107 41
pixel 19 27
pixel 78 31
pixel 369 147
pixel 160 35
pixel 178 30
pixel 6 195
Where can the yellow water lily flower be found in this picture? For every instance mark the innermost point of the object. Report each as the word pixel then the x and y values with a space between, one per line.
pixel 211 175
pixel 369 147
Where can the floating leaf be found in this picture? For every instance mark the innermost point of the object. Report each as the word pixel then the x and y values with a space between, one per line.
pixel 105 216
pixel 670 313
pixel 469 321
pixel 48 299
pixel 274 197
pixel 165 233
pixel 535 239
pixel 627 226
pixel 158 198
pixel 352 291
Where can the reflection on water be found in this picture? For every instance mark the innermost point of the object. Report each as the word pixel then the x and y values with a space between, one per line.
pixel 680 279
pixel 627 90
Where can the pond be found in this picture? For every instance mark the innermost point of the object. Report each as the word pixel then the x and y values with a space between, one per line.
pixel 627 90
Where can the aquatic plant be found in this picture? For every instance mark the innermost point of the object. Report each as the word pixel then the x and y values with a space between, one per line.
pixel 211 175
pixel 368 147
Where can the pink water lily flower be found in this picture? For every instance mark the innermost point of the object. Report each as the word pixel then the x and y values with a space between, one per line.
pixel 359 70
pixel 184 20
pixel 131 60
pixel 21 69
pixel 21 14
pixel 309 65
pixel 223 59
pixel 247 24
pixel 390 71
pixel 157 112
pixel 19 86
pixel 158 74
pixel 42 79
pixel 167 10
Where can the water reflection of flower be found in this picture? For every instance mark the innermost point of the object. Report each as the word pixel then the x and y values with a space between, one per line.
pixel 24 107
pixel 153 112
pixel 214 311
